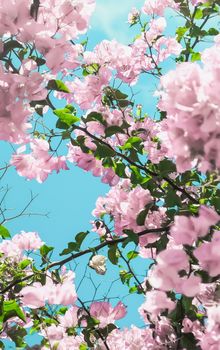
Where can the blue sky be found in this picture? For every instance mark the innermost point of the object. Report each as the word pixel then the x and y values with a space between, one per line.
pixel 70 196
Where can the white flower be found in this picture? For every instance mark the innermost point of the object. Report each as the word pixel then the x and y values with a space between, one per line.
pixel 98 264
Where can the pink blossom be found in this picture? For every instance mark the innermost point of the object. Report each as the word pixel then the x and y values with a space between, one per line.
pixel 87 92
pixel 38 164
pixel 124 204
pixel 70 319
pixel 211 339
pixel 11 250
pixel 37 295
pixel 164 278
pixel 186 230
pixel 88 162
pixel 131 339
pixel 157 7
pixel 156 302
pixel 107 314
pixel 34 296
pixel 190 98
pixel 28 241
pixel 208 254
pixel 175 258
pixel 190 286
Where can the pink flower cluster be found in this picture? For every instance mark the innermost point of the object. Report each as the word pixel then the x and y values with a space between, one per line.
pixel 89 91
pixel 186 230
pixel 37 295
pixel 165 275
pixel 48 25
pixel 39 163
pixel 149 131
pixel 124 204
pixel 157 7
pixel 106 314
pixel 131 339
pixel 30 23
pixel 14 248
pixel 102 311
pixel 211 338
pixel 88 162
pixel 130 61
pixel 156 302
pixel 208 255
pixel 16 90
pixel 57 337
pixel 189 96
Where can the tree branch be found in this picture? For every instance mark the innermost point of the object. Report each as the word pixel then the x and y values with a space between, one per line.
pixel 84 252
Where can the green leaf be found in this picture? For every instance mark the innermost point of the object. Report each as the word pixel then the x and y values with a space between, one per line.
pixel 11 309
pixel 112 254
pixel 83 347
pixel 80 237
pixel 132 255
pixel 213 31
pixel 125 277
pixel 132 237
pixel 161 244
pixel 143 214
pixel 23 264
pixel 94 116
pixel 119 95
pixel 189 342
pixel 216 202
pixel 4 233
pixel 103 151
pixel 133 289
pixel 195 56
pixel 91 69
pixel 136 177
pixel 177 314
pixel 112 130
pixel 44 251
pixel 63 310
pixel 172 199
pixel 166 166
pixel 131 142
pixel 119 169
pixel 11 45
pixel 107 330
pixel 125 103
pixel 187 303
pixel 198 14
pixel 65 116
pixel 72 247
pixel 57 85
pixel 40 61
pixel 180 32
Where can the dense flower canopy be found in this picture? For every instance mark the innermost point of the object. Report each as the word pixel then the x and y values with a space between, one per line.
pixel 162 211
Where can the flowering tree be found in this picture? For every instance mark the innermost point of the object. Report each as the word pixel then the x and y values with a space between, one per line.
pixel 163 205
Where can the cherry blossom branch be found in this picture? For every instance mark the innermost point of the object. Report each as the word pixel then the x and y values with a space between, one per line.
pixel 187 55
pixel 150 172
pixel 84 252
pixel 96 330
pixel 104 244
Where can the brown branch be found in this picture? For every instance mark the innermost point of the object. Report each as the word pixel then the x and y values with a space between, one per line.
pixel 141 167
pixel 84 252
